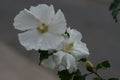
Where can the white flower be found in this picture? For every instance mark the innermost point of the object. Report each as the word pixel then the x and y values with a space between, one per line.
pixel 69 53
pixel 42 27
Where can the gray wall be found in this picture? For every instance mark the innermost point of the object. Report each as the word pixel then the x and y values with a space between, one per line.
pixel 90 17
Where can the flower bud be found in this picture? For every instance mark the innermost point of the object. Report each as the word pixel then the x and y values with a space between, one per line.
pixel 89 66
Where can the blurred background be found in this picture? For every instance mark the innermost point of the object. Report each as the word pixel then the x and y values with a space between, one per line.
pixel 91 17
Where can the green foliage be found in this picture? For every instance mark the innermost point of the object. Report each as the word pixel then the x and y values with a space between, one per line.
pixel 80 77
pixel 113 79
pixel 45 54
pixel 115 8
pixel 96 78
pixel 83 59
pixel 106 64
pixel 99 66
pixel 103 65
pixel 66 34
pixel 65 75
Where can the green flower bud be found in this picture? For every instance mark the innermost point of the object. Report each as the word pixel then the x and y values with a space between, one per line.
pixel 89 66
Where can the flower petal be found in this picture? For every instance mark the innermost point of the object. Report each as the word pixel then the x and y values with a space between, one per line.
pixel 24 21
pixel 43 12
pixel 58 23
pixel 51 41
pixel 30 39
pixel 49 63
pixel 58 57
pixel 61 67
pixel 80 50
pixel 70 62
pixel 74 35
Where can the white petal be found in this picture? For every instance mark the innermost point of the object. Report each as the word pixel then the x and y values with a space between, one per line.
pixel 24 21
pixel 58 23
pixel 43 12
pixel 49 63
pixel 70 63
pixel 61 67
pixel 30 39
pixel 80 50
pixel 74 35
pixel 58 57
pixel 51 41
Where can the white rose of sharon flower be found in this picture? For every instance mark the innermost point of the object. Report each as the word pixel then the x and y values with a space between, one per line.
pixel 70 52
pixel 42 27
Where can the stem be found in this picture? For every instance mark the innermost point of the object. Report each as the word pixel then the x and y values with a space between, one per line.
pixel 98 76
pixel 88 74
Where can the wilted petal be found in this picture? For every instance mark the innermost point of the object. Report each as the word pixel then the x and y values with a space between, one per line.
pixel 24 21
pixel 49 63
pixel 58 23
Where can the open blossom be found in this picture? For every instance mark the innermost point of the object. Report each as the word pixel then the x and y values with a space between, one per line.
pixel 42 27
pixel 70 51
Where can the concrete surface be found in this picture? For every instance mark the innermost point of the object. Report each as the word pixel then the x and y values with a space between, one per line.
pixel 91 17
pixel 14 66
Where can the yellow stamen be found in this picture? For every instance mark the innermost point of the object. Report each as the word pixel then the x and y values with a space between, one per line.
pixel 42 28
pixel 68 47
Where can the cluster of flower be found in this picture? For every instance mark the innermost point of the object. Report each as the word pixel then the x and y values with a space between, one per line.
pixel 43 29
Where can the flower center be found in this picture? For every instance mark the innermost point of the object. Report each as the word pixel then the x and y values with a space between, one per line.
pixel 68 47
pixel 42 28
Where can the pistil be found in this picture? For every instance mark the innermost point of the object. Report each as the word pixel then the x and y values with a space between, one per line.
pixel 42 28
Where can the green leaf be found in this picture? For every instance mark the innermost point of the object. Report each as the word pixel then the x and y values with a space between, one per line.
pixel 45 54
pixel 114 13
pixel 65 75
pixel 66 34
pixel 76 78
pixel 80 77
pixel 83 59
pixel 103 65
pixel 114 4
pixel 96 78
pixel 113 79
pixel 115 8
pixel 106 64
pixel 98 67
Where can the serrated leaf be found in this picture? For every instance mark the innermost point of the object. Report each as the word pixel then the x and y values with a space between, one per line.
pixel 65 75
pixel 113 79
pixel 103 65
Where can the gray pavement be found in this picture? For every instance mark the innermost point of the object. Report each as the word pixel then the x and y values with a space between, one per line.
pixel 90 17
